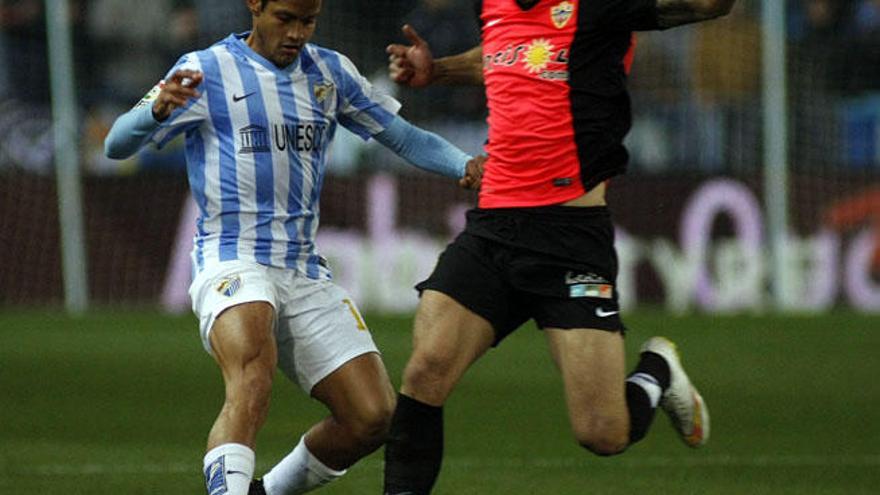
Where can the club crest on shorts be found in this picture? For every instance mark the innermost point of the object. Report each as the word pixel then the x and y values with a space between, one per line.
pixel 561 14
pixel 229 286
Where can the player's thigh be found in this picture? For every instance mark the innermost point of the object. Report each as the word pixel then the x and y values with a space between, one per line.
pixel 448 332
pixel 447 339
pixel 320 331
pixel 242 334
pixel 592 365
pixel 235 303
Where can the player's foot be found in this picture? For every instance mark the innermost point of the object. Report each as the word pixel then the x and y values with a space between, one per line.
pixel 681 401
pixel 257 487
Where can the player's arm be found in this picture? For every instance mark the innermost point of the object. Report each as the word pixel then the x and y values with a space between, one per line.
pixel 430 152
pixel 132 130
pixel 671 13
pixel 415 66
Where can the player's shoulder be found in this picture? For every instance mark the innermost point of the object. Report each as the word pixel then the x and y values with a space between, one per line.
pixel 193 59
pixel 335 61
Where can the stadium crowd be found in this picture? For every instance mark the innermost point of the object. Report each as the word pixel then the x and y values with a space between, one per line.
pixel 678 80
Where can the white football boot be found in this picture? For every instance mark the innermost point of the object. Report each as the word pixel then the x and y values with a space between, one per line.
pixel 681 401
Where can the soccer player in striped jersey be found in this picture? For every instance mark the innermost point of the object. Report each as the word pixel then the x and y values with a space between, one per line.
pixel 540 245
pixel 259 110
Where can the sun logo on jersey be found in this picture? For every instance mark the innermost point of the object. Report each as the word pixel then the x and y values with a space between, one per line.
pixel 538 55
pixel 561 14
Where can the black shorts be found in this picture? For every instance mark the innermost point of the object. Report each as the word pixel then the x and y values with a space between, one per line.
pixel 555 264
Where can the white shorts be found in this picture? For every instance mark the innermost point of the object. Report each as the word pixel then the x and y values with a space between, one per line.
pixel 317 326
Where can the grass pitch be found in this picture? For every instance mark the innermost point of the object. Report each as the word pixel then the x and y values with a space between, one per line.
pixel 121 403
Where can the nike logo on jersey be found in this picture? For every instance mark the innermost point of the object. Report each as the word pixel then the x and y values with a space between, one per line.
pixel 237 472
pixel 601 313
pixel 237 98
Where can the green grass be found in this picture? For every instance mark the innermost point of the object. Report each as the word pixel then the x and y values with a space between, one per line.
pixel 121 403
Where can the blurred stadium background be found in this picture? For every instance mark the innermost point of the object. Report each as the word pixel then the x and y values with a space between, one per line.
pixel 765 265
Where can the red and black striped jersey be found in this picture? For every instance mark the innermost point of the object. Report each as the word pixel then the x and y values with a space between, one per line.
pixel 555 74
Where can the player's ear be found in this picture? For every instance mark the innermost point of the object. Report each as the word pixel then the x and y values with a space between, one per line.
pixel 254 6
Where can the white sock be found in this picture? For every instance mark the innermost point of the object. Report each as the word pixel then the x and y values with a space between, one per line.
pixel 229 469
pixel 649 384
pixel 297 473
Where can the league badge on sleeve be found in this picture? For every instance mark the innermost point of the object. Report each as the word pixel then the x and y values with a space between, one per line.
pixel 152 95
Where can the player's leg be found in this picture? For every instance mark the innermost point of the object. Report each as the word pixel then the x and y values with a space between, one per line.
pixel 465 309
pixel 244 348
pixel 447 339
pixel 325 346
pixel 360 398
pixel 607 417
pixel 235 302
pixel 593 372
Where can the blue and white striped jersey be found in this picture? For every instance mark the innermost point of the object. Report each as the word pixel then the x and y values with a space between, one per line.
pixel 256 148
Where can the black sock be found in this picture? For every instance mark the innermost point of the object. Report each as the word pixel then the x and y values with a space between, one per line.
pixel 415 447
pixel 638 401
pixel 641 414
pixel 654 365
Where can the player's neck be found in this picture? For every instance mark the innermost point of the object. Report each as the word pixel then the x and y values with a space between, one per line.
pixel 253 41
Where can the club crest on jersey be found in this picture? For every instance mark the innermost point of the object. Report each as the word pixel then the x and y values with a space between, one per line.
pixel 229 286
pixel 561 14
pixel 323 91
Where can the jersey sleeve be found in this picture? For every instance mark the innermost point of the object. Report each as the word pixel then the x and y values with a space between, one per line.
pixel 184 118
pixel 363 108
pixel 627 15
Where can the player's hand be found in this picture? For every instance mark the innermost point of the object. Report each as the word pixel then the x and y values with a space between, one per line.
pixel 473 173
pixel 411 65
pixel 177 90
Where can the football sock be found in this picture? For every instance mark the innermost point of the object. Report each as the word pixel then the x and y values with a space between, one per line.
pixel 414 450
pixel 229 469
pixel 298 472
pixel 644 387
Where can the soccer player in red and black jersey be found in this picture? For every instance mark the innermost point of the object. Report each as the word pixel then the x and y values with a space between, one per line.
pixel 540 243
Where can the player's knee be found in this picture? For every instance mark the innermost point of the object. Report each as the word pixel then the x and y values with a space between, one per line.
pixel 604 445
pixel 427 373
pixel 370 427
pixel 604 438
